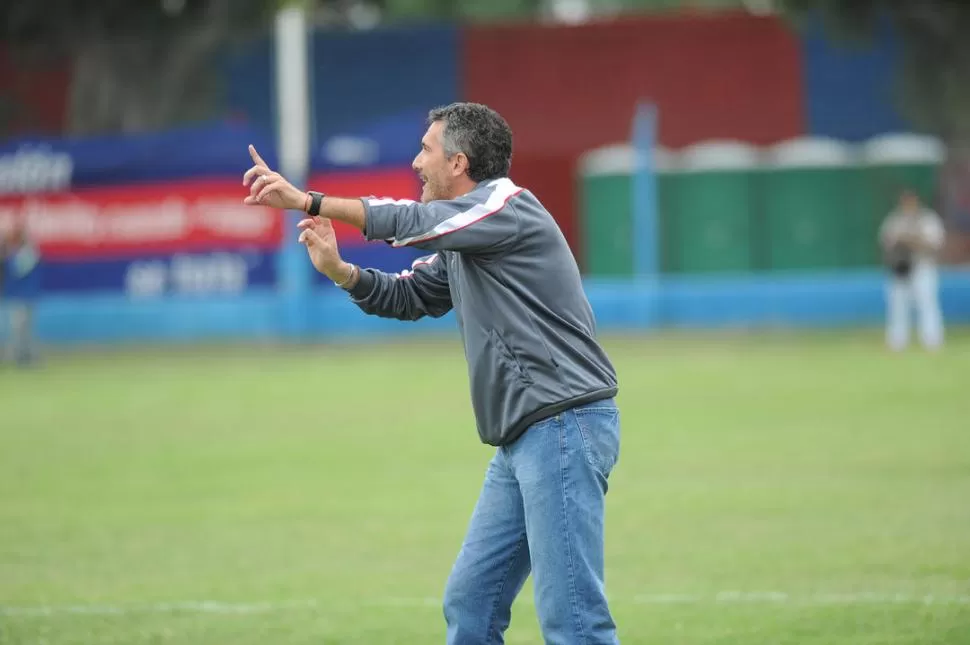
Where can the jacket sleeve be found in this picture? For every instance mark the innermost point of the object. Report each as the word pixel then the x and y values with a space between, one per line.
pixel 479 222
pixel 409 295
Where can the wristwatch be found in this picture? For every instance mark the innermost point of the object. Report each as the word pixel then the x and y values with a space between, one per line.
pixel 313 208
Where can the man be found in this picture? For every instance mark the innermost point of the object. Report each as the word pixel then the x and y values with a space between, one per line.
pixel 542 388
pixel 911 238
pixel 3 274
pixel 21 289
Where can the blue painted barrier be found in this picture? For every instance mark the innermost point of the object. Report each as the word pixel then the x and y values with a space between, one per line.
pixel 803 300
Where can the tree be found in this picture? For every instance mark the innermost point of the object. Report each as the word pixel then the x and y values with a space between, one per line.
pixel 134 66
pixel 935 73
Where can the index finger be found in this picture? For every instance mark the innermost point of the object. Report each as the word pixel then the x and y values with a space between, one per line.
pixel 256 158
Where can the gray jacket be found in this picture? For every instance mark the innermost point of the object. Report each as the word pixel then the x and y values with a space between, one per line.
pixel 503 264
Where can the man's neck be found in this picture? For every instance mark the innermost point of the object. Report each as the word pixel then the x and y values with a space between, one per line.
pixel 463 189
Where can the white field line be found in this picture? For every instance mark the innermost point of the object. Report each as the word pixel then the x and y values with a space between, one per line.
pixel 721 598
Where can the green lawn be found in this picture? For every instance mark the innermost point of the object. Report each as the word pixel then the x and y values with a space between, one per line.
pixel 786 488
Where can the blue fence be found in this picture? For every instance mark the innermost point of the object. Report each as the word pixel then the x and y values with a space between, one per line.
pixel 798 300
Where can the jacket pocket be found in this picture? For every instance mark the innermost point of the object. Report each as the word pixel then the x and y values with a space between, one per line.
pixel 507 359
pixel 500 385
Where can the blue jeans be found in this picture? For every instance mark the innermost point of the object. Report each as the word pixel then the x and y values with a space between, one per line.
pixel 540 510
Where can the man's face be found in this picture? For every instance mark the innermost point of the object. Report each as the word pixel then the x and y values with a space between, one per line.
pixel 436 171
pixel 909 203
pixel 14 237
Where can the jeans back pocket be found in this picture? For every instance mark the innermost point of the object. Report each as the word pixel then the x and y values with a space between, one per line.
pixel 600 430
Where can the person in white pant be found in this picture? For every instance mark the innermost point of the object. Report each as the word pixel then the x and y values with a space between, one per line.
pixel 912 237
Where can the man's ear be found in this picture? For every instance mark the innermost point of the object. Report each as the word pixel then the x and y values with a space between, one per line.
pixel 459 164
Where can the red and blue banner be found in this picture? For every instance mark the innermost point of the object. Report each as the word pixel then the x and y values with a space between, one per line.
pixel 150 239
pixel 163 213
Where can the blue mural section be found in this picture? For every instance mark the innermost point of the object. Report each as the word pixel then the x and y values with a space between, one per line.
pixel 201 151
pixel 359 80
pixel 229 271
pixel 851 89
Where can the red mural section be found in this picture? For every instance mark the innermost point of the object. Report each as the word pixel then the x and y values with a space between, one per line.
pixel 399 183
pixel 33 93
pixel 568 89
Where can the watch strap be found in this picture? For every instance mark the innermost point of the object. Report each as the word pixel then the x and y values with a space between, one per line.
pixel 313 208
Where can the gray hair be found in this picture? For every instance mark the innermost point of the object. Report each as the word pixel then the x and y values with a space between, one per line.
pixel 478 132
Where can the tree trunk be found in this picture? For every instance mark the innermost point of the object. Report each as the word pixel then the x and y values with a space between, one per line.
pixel 955 200
pixel 146 81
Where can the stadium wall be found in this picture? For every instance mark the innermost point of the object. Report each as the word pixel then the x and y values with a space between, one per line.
pixel 727 76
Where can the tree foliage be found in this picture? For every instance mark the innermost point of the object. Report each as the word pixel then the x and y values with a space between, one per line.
pixel 934 73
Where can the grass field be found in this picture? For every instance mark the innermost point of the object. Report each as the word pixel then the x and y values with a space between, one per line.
pixel 778 489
